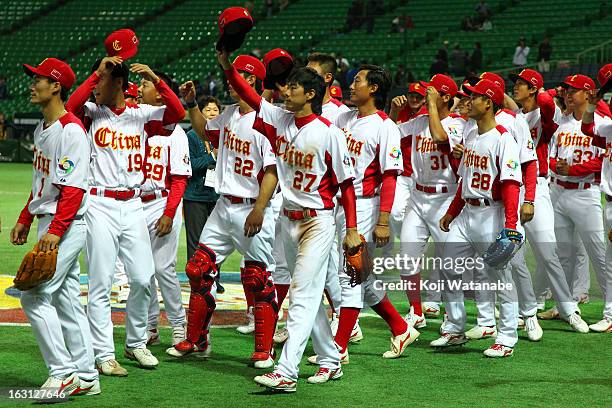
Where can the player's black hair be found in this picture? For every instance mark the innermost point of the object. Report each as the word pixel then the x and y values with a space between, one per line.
pixel 205 100
pixel 309 79
pixel 64 94
pixel 119 71
pixel 325 61
pixel 378 76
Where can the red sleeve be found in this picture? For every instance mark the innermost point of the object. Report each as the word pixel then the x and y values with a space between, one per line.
pixel 77 100
pixel 589 130
pixel 458 203
pixel 552 164
pixel 243 89
pixel 530 178
pixel 510 191
pixel 387 190
pixel 178 183
pixel 174 111
pixel 68 204
pixel 349 203
pixel 26 217
pixel 547 112
pixel 586 168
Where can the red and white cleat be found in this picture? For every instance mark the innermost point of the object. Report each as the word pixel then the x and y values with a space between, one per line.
pixel 498 351
pixel 275 381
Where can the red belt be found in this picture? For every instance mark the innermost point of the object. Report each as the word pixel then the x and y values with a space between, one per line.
pixel 150 197
pixel 570 185
pixel 431 190
pixel 239 200
pixel 122 195
pixel 477 202
pixel 296 215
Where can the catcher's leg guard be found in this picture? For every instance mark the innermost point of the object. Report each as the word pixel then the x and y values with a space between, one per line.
pixel 201 271
pixel 257 280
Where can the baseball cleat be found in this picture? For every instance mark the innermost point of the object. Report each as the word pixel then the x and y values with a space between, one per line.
pixel 324 375
pixel 450 339
pixel 541 306
pixel 577 323
pixel 277 382
pixel 250 326
pixel 55 388
pixel 521 323
pixel 88 388
pixel 533 329
pixel 583 298
pixel 281 335
pixel 415 320
pixel 268 363
pixel 112 368
pixel 481 332
pixel 602 326
pixel 333 324
pixel 143 356
pixel 431 309
pixel 123 294
pixel 498 351
pixel 186 347
pixel 356 334
pixel 344 357
pixel 400 342
pixel 550 314
pixel 152 337
pixel 178 334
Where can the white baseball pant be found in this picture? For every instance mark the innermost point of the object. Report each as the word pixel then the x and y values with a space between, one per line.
pixel 55 312
pixel 403 189
pixel 307 246
pixel 117 228
pixel 281 274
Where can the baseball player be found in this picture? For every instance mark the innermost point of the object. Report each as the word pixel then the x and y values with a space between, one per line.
pixel 576 166
pixel 540 230
pixel 166 171
pixel 600 128
pixel 313 162
pixel 116 222
pixel 486 201
pixel 518 128
pixel 58 200
pixel 242 219
pixel 373 142
pixel 432 137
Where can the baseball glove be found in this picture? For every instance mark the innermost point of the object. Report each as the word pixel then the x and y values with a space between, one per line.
pixel 37 267
pixel 357 265
pixel 507 244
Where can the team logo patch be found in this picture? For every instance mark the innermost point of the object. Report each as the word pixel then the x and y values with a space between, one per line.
pixel 395 153
pixel 186 159
pixel 117 45
pixel 530 145
pixel 65 166
pixel 512 164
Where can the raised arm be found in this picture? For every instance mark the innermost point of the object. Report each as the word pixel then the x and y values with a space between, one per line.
pixel 240 85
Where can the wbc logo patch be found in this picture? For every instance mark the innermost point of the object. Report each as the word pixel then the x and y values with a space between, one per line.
pixel 65 166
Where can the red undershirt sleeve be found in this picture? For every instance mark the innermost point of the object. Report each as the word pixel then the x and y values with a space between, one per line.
pixel 77 100
pixel 458 203
pixel 68 204
pixel 178 184
pixel 25 217
pixel 387 190
pixel 589 130
pixel 530 177
pixel 174 111
pixel 586 168
pixel 349 203
pixel 510 191
pixel 552 164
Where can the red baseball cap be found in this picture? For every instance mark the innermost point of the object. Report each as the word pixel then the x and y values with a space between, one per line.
pixel 443 84
pixel 55 69
pixel 531 76
pixel 579 81
pixel 490 76
pixel 234 23
pixel 604 78
pixel 279 64
pixel 132 90
pixel 416 87
pixel 489 89
pixel 335 91
pixel 123 43
pixel 251 65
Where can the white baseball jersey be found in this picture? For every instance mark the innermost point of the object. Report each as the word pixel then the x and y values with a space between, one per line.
pixel 430 161
pixel 603 128
pixel 373 143
pixel 534 123
pixel 243 154
pixel 118 142
pixel 488 159
pixel 312 160
pixel 332 108
pixel 517 126
pixel 61 158
pixel 569 143
pixel 166 155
